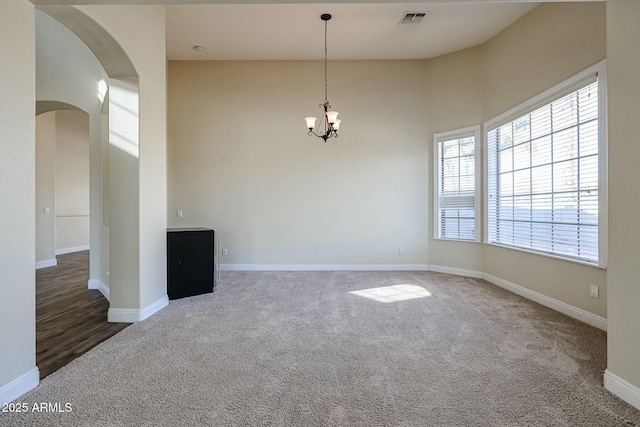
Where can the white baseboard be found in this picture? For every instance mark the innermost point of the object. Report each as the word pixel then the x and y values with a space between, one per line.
pixel 46 263
pixel 72 249
pixel 99 285
pixel 622 388
pixel 324 267
pixel 16 388
pixel 132 315
pixel 456 271
pixel 562 307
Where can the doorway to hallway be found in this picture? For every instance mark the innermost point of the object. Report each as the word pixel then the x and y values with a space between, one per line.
pixel 70 319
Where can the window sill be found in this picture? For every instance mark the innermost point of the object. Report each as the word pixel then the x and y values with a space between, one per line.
pixel 443 239
pixel 547 255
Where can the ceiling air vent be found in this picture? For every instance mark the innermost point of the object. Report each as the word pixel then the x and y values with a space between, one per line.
pixel 412 17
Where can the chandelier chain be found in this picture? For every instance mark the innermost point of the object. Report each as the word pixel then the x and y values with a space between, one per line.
pixel 326 99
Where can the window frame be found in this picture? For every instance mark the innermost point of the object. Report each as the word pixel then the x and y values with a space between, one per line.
pixel 550 95
pixel 447 136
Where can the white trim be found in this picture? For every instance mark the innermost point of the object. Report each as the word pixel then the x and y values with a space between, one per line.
pixel 596 72
pixel 72 249
pixel 16 388
pixel 485 185
pixel 475 132
pixel 456 271
pixel 105 290
pixel 603 162
pixel 46 263
pixel 622 388
pixel 554 304
pixel 562 307
pixel 131 315
pixel 99 285
pixel 324 267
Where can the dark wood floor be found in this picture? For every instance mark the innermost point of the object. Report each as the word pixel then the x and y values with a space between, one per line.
pixel 70 319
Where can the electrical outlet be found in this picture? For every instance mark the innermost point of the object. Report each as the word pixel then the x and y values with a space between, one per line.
pixel 595 291
pixel 225 252
pixel 401 252
pixel 179 213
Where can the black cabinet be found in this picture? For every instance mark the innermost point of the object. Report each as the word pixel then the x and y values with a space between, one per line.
pixel 190 262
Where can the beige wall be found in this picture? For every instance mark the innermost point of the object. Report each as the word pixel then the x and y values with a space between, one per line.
pixel 105 265
pixel 124 180
pixel 62 183
pixel 45 187
pixel 546 46
pixel 623 34
pixel 72 179
pixel 455 102
pixel 17 196
pixel 240 160
pixel 138 179
pixel 549 44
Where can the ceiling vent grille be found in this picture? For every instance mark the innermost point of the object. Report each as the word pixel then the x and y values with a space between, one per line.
pixel 412 17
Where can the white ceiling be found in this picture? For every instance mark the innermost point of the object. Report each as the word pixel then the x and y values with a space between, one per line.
pixel 356 31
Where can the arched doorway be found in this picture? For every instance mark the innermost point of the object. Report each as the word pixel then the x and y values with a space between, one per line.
pixel 72 152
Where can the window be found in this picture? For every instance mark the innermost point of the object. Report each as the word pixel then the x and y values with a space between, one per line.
pixel 456 199
pixel 546 172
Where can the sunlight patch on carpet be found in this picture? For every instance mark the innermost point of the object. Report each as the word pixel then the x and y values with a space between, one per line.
pixel 393 293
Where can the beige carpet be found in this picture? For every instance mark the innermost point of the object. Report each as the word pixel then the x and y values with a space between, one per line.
pixel 323 348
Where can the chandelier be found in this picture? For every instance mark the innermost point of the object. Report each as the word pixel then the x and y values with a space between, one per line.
pixel 329 124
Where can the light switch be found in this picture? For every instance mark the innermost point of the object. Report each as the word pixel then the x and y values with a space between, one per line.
pixel 180 213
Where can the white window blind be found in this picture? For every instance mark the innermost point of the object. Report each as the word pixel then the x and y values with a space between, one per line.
pixel 455 185
pixel 543 176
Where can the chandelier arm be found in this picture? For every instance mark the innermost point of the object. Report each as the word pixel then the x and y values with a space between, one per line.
pixel 324 137
pixel 330 134
pixel 320 124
